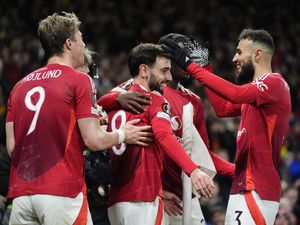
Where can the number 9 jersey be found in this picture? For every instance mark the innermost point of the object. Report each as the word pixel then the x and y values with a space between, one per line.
pixel 44 108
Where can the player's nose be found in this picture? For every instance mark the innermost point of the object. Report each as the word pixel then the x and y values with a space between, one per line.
pixel 235 58
pixel 168 76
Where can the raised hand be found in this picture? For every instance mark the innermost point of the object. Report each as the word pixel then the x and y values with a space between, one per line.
pixel 199 53
pixel 181 47
pixel 177 53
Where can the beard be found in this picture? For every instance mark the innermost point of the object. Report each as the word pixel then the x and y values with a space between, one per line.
pixel 154 85
pixel 246 74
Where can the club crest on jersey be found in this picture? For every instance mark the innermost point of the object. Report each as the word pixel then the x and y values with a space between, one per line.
pixel 166 108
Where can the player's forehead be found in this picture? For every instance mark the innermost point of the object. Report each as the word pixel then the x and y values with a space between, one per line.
pixel 162 62
pixel 77 33
pixel 244 45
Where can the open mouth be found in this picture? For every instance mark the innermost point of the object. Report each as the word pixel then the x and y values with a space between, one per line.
pixel 238 65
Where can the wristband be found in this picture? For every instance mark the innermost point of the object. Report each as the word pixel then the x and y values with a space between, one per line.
pixel 121 136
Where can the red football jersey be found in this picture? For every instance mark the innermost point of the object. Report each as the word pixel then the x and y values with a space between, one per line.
pixel 136 170
pixel 172 181
pixel 44 108
pixel 264 106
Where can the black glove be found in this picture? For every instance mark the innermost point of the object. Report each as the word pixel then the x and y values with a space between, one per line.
pixel 177 54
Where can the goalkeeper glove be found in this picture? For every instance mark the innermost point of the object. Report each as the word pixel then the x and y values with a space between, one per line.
pixel 177 54
pixel 198 53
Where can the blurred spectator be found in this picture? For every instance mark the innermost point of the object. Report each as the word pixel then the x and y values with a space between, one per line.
pixel 294 167
pixel 218 216
pixel 4 179
pixel 285 216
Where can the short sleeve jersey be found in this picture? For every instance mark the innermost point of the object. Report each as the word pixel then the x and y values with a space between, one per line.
pixel 44 107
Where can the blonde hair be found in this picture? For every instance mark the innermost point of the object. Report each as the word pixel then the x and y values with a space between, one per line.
pixel 54 30
pixel 87 54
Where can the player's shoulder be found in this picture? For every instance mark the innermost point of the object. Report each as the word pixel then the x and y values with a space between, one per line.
pixel 187 92
pixel 123 87
pixel 157 97
pixel 270 80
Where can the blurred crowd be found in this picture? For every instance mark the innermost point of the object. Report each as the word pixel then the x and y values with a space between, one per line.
pixel 112 28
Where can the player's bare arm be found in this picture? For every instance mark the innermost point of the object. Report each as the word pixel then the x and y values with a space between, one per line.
pixel 96 139
pixel 137 135
pixel 172 204
pixel 202 182
pixel 10 139
pixel 133 101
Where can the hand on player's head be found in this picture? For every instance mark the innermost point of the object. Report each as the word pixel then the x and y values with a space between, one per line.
pixel 176 53
pixel 193 49
pixel 199 53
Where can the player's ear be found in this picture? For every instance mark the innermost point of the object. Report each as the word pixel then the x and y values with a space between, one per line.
pixel 144 70
pixel 68 43
pixel 257 55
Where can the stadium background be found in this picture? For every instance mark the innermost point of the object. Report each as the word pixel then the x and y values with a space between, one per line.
pixel 112 28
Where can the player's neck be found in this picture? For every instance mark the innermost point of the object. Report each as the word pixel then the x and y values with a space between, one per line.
pixel 142 82
pixel 173 84
pixel 260 71
pixel 60 60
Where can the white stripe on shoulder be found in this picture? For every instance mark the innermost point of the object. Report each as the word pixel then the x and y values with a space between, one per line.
pixel 188 91
pixel 263 77
pixel 119 89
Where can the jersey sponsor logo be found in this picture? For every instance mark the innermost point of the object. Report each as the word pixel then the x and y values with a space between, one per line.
pixel 176 123
pixel 41 76
pixel 179 139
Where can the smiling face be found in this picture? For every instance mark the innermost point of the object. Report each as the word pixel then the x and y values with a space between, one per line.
pixel 243 59
pixel 159 74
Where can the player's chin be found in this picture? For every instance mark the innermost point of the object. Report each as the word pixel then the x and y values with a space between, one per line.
pixel 163 85
pixel 158 89
pixel 237 71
